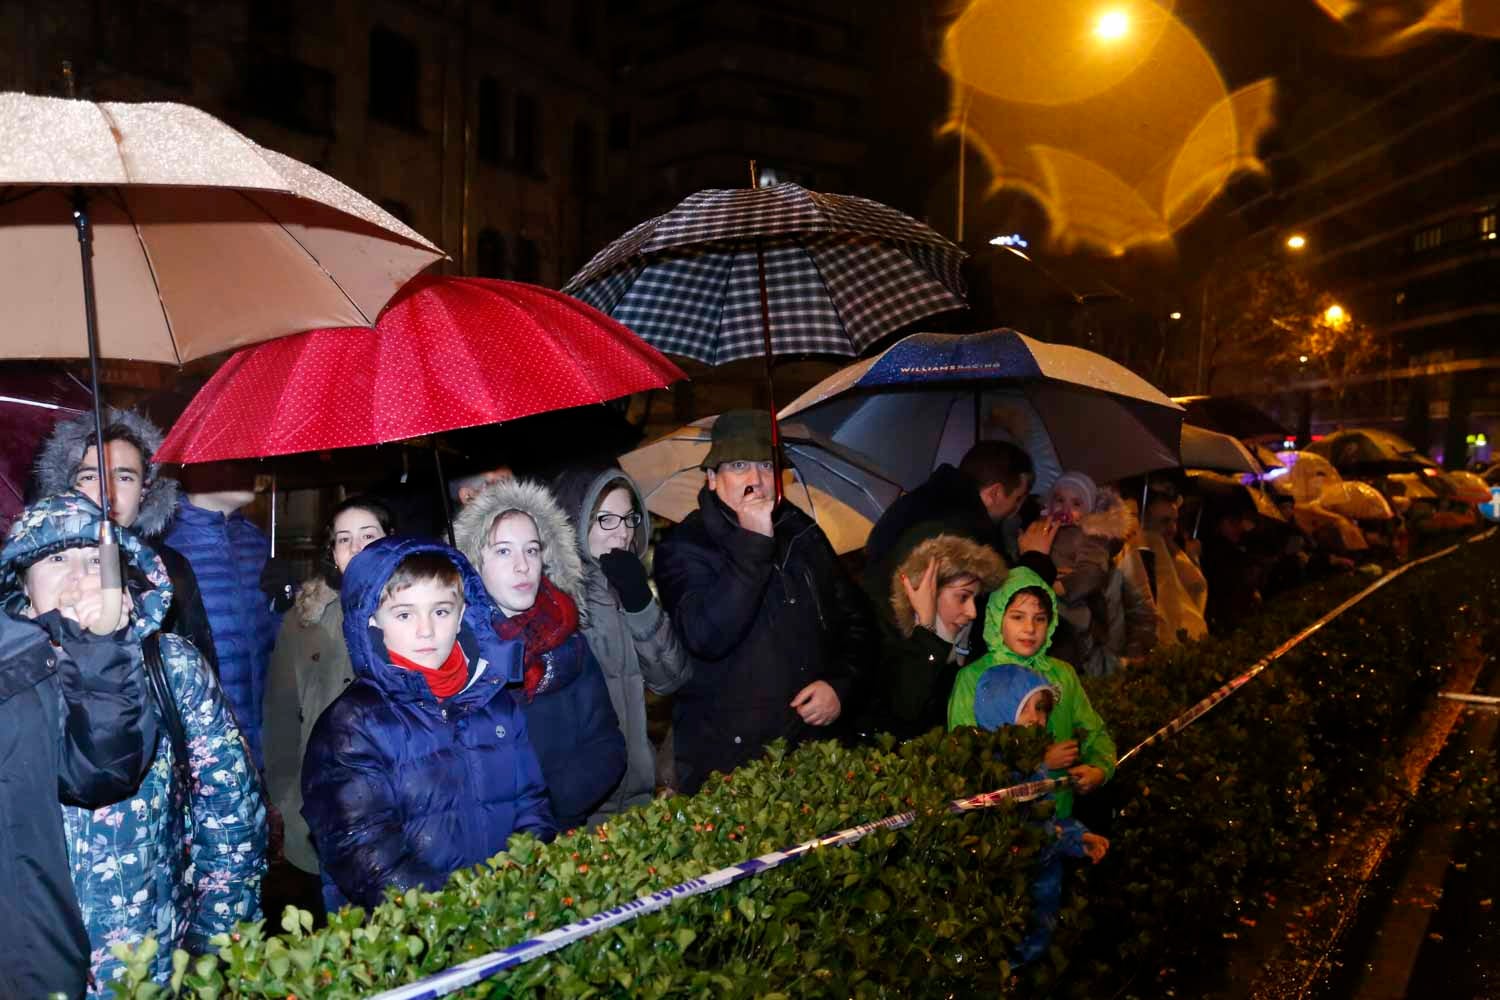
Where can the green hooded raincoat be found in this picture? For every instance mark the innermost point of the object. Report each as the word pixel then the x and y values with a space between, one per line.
pixel 1073 717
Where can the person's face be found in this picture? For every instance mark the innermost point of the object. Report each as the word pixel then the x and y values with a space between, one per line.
pixel 1000 502
pixel 127 479
pixel 1235 528
pixel 1032 713
pixel 617 506
pixel 421 622
pixel 1068 505
pixel 737 481
pixel 1024 627
pixel 512 563
pixel 955 606
pixel 1161 517
pixel 58 580
pixel 353 529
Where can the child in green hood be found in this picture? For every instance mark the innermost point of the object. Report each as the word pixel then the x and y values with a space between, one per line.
pixel 1018 625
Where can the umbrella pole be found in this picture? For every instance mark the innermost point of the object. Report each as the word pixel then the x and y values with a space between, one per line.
pixel 437 460
pixel 110 575
pixel 765 328
pixel 273 515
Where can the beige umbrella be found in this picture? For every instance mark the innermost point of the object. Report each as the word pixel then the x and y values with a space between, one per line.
pixel 202 240
pixel 155 232
pixel 830 485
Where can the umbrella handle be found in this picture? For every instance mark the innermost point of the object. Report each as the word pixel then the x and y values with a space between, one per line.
pixel 111 581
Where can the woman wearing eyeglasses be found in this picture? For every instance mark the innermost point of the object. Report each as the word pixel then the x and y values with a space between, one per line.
pixel 626 628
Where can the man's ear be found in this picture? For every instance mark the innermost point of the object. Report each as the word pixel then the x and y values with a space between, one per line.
pixel 373 622
pixel 466 494
pixel 711 479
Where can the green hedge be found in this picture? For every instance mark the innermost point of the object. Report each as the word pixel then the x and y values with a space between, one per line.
pixel 1204 825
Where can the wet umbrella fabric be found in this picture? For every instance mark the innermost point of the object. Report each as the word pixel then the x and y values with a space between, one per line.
pixel 448 353
pixel 841 272
pixel 1236 417
pixel 928 398
pixel 202 240
pixel 1206 449
pixel 833 487
pixel 1370 452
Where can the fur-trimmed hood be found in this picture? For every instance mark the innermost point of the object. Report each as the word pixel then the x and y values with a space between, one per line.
pixel 57 463
pixel 561 562
pixel 955 555
pixel 313 598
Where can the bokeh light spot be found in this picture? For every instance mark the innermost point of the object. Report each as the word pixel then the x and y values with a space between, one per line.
pixel 1112 26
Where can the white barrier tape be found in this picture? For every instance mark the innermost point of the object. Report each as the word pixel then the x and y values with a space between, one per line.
pixel 485 966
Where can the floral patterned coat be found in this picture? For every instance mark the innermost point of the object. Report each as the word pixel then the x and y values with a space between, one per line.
pixel 137 866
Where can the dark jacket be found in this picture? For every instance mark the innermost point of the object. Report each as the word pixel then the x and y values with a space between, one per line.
pixel 227 555
pixel 946 504
pixel 571 718
pixel 400 789
pixel 75 724
pixel 575 732
pixel 636 650
pixel 761 618
pixel 56 472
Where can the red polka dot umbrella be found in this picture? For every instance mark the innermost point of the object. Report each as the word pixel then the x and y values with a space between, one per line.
pixel 447 353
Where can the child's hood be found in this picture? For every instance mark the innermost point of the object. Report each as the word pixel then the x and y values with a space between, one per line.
pixel 365 577
pixel 1019 578
pixel 561 562
pixel 1000 693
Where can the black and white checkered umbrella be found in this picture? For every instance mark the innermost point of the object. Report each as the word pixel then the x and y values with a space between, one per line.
pixel 841 272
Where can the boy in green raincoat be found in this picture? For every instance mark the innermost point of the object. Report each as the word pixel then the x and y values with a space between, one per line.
pixel 1018 626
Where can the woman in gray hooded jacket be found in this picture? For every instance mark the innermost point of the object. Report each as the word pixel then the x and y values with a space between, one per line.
pixel 629 633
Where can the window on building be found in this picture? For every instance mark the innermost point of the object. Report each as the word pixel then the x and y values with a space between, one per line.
pixel 489 255
pixel 399 209
pixel 289 92
pixel 585 158
pixel 527 143
pixel 395 79
pixel 1487 226
pixel 528 260
pixel 147 39
pixel 490 140
pixel 1427 239
pixel 619 130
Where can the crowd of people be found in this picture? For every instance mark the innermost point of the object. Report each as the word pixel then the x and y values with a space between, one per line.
pixel 407 709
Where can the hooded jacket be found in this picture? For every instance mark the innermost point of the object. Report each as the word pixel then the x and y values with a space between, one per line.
pixel 636 650
pixel 917 666
pixel 571 717
pixel 1072 718
pixel 228 555
pixel 309 668
pixel 401 790
pixel 761 618
pixel 1104 617
pixel 136 867
pixel 56 471
pixel 75 722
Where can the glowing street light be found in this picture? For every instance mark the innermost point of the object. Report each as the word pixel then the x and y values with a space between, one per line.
pixel 1302 358
pixel 1335 315
pixel 1296 241
pixel 1175 315
pixel 1112 26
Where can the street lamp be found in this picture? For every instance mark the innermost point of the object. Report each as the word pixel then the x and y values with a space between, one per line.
pixel 1296 241
pixel 1335 315
pixel 1175 315
pixel 1112 26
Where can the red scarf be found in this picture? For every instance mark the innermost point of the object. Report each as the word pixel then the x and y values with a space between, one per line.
pixel 544 626
pixel 448 679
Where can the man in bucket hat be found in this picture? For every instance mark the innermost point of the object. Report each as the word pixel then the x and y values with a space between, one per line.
pixel 772 623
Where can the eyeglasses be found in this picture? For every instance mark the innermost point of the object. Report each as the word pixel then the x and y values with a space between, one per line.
pixel 740 466
pixel 609 522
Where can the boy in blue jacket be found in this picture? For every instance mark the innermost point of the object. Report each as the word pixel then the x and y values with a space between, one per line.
pixel 423 765
pixel 1011 695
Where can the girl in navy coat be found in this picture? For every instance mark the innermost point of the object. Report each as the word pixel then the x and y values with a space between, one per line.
pixel 526 552
pixel 423 765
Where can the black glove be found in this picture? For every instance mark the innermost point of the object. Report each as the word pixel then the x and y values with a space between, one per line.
pixel 278 581
pixel 628 577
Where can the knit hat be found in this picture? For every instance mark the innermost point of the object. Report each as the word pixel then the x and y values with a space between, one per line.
pixel 1082 483
pixel 739 436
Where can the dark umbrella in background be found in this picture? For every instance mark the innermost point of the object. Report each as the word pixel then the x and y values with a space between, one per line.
pixel 1229 415
pixel 747 272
